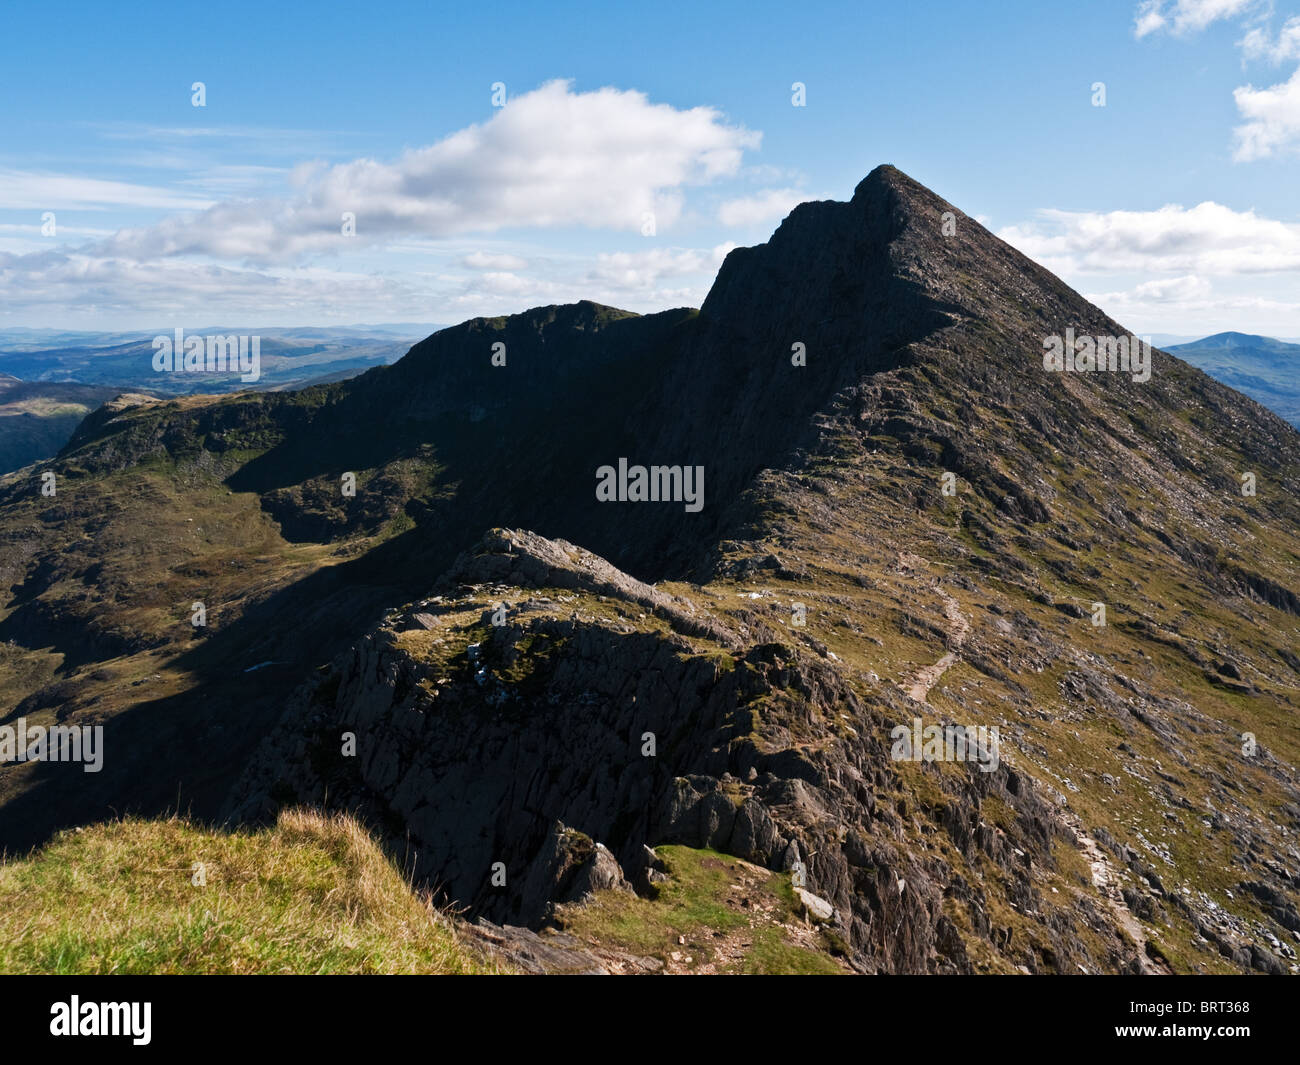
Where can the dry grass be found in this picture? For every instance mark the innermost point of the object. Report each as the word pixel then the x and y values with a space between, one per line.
pixel 313 894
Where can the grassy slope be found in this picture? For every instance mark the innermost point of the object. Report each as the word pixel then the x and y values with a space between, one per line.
pixel 714 914
pixel 311 895
pixel 124 554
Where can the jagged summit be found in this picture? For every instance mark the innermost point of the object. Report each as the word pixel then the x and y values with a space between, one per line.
pixel 902 306
pixel 898 305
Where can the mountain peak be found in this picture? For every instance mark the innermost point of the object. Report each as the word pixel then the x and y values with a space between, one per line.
pixel 888 178
pixel 1234 339
pixel 895 248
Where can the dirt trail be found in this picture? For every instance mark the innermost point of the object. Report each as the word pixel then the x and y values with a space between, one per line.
pixel 1106 880
pixel 928 676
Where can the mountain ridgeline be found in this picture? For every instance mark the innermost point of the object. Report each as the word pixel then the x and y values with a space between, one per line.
pixel 906 520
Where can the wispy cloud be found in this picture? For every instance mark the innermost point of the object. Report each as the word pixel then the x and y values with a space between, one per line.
pixel 766 206
pixel 553 158
pixel 1182 17
pixel 641 269
pixel 40 191
pixel 481 260
pixel 1191 305
pixel 1179 290
pixel 1271 115
pixel 1259 43
pixel 646 279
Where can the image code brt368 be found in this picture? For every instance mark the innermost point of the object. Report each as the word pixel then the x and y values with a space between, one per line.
pixel 851 530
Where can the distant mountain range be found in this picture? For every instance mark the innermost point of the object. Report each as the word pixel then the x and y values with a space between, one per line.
pixel 1265 369
pixel 290 357
pixel 64 375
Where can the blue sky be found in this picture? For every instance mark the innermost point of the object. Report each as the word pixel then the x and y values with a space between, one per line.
pixel 1173 205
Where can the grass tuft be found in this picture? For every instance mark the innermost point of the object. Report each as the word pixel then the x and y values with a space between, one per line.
pixel 313 894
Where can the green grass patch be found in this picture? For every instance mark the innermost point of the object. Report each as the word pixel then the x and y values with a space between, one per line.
pixel 732 915
pixel 313 894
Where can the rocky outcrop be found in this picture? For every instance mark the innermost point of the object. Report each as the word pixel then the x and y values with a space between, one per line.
pixel 529 763
pixel 554 953
pixel 521 559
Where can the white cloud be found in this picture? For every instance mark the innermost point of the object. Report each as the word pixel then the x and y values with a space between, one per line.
pixel 766 206
pixel 1273 119
pixel 36 191
pixel 1258 44
pixel 1272 115
pixel 1178 290
pixel 1194 307
pixel 552 158
pixel 74 287
pixel 1208 239
pixel 1182 17
pixel 1174 270
pixel 642 280
pixel 482 260
pixel 549 158
pixel 100 289
pixel 21 238
pixel 643 269
pixel 646 280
